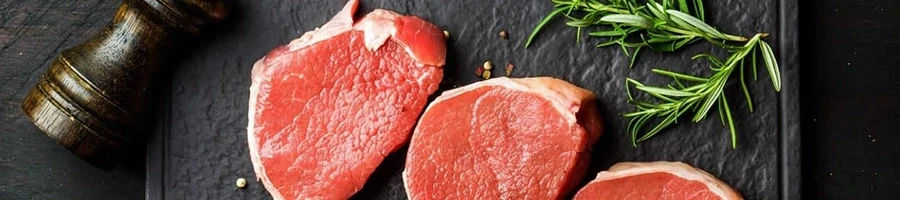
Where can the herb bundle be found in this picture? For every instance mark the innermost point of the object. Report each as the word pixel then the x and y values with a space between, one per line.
pixel 667 26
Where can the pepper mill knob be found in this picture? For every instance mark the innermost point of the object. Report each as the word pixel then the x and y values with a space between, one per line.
pixel 94 98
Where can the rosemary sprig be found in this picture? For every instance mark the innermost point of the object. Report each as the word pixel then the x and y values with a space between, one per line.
pixel 696 94
pixel 667 27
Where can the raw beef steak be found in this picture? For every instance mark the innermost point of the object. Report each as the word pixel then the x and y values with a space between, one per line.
pixel 656 180
pixel 328 107
pixel 503 138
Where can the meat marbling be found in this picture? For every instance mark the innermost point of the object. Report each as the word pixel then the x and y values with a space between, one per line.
pixel 503 138
pixel 328 107
pixel 656 180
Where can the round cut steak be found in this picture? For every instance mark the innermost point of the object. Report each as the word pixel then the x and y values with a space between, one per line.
pixel 328 107
pixel 503 138
pixel 656 180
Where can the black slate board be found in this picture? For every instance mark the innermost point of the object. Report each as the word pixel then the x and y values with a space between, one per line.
pixel 199 147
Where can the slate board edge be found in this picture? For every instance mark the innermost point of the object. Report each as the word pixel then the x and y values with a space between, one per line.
pixel 790 168
pixel 789 114
pixel 157 144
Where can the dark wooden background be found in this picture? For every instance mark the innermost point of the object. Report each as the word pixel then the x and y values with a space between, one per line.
pixel 850 75
pixel 32 33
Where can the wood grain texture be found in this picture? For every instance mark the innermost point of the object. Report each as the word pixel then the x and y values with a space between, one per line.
pixel 32 33
pixel 96 98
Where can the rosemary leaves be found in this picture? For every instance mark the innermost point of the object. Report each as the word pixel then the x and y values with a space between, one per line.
pixel 667 26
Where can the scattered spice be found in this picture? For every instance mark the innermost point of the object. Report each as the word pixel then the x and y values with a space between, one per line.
pixel 479 71
pixel 504 35
pixel 487 65
pixel 485 70
pixel 486 75
pixel 446 34
pixel 241 183
pixel 509 68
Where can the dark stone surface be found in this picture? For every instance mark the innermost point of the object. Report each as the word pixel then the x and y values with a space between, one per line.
pixel 204 147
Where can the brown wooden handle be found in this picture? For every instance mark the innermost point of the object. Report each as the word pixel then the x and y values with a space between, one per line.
pixel 94 97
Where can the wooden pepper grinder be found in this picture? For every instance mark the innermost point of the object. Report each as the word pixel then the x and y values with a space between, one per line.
pixel 95 97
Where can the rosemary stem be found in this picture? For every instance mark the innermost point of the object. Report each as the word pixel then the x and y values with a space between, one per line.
pixel 682 31
pixel 616 10
pixel 734 38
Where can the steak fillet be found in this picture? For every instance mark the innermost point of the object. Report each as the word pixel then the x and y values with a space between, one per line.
pixel 656 180
pixel 328 107
pixel 503 138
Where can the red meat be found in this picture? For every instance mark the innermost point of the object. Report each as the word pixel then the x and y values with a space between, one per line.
pixel 503 139
pixel 328 107
pixel 656 180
